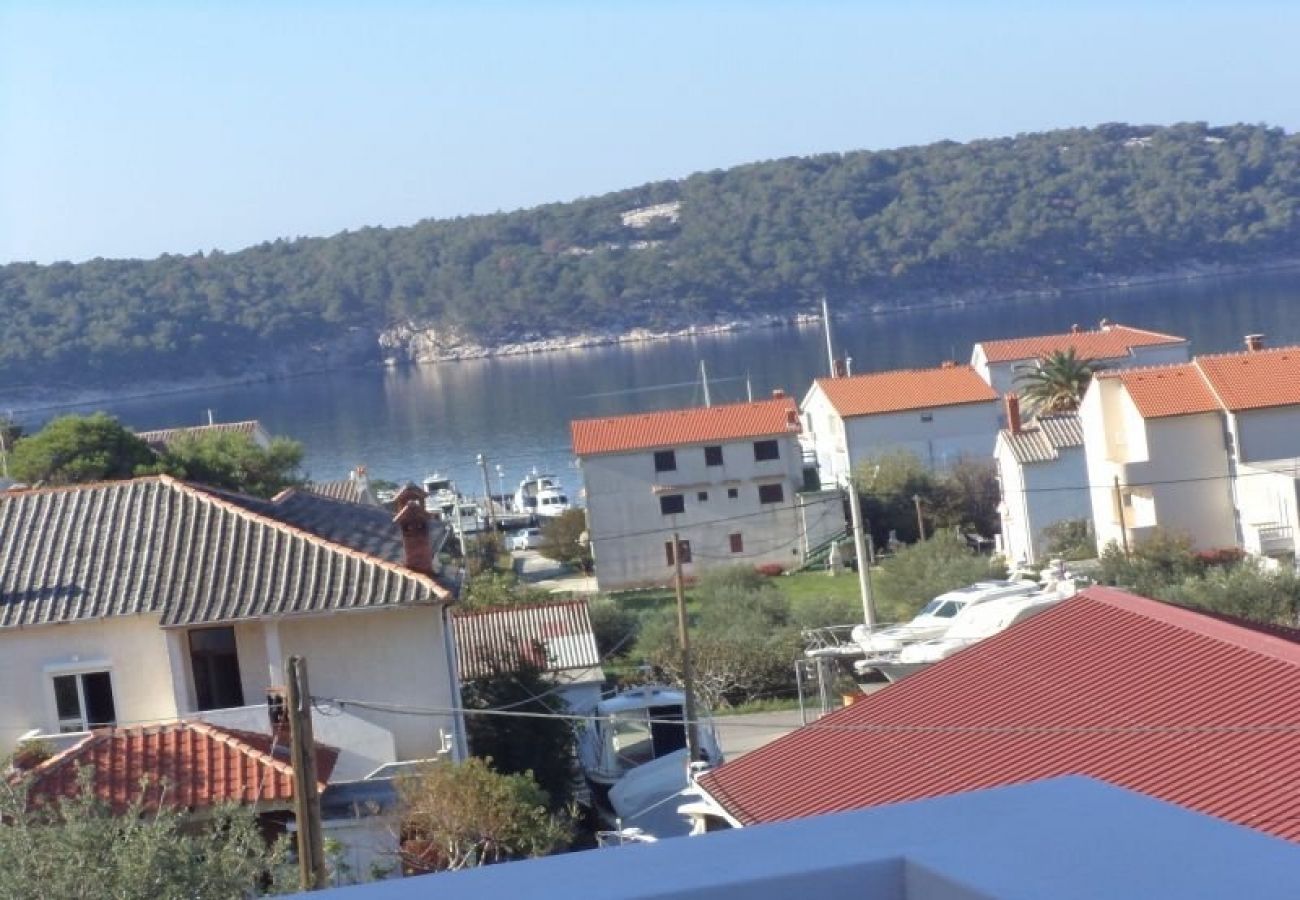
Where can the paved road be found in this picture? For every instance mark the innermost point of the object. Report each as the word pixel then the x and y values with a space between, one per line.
pixel 741 734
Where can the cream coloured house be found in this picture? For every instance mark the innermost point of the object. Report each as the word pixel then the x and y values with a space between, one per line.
pixel 1209 448
pixel 149 600
pixel 1109 346
pixel 730 480
pixel 1043 476
pixel 939 414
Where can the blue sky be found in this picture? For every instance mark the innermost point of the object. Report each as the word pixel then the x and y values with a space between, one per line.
pixel 137 129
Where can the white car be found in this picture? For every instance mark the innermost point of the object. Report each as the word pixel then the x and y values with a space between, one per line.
pixel 527 539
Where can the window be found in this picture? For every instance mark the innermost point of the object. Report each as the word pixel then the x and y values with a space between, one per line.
pixel 669 504
pixel 927 417
pixel 686 552
pixel 84 701
pixel 713 456
pixel 771 493
pixel 766 450
pixel 733 493
pixel 702 496
pixel 215 664
pixel 737 543
pixel 665 460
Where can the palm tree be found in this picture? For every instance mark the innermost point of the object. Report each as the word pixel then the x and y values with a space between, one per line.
pixel 1054 383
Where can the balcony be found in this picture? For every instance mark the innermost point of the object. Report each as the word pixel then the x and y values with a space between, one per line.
pixel 1275 540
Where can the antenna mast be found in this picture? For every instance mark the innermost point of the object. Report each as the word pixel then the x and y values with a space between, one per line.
pixel 830 349
pixel 704 379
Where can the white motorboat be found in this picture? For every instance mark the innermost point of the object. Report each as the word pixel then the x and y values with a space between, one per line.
pixel 440 494
pixel 972 625
pixel 541 496
pixel 635 727
pixel 935 617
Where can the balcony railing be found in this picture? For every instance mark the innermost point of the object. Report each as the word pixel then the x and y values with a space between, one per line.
pixel 1275 539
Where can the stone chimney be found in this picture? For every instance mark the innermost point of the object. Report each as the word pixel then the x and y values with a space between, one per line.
pixel 412 520
pixel 1254 342
pixel 1075 328
pixel 948 364
pixel 360 479
pixel 1012 401
pixel 792 419
pixel 778 394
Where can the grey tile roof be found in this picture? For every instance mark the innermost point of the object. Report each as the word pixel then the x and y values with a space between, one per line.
pixel 489 637
pixel 1043 439
pixel 159 545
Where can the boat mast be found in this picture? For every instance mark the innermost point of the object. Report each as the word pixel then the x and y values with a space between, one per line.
pixel 830 350
pixel 704 379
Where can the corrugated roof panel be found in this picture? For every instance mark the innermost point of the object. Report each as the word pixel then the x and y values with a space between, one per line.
pixel 487 639
pixel 1188 708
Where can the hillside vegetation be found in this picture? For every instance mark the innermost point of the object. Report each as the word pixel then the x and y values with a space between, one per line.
pixel 878 228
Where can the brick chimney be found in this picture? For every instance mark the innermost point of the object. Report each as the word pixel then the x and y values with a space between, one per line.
pixel 1012 401
pixel 1254 342
pixel 948 364
pixel 406 494
pixel 792 419
pixel 412 520
pixel 1075 328
pixel 778 394
pixel 361 479
pixel 841 369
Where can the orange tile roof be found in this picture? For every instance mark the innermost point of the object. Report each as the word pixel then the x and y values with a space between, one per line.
pixel 671 428
pixel 1167 390
pixel 1254 380
pixel 187 764
pixel 1110 342
pixel 1187 708
pixel 904 389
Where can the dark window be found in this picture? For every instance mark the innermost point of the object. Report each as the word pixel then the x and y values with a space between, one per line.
pixel 84 701
pixel 771 493
pixel 665 461
pixel 672 503
pixel 215 664
pixel 733 493
pixel 713 456
pixel 702 496
pixel 927 417
pixel 737 543
pixel 766 450
pixel 686 552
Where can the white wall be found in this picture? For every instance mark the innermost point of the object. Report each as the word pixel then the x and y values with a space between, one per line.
pixel 939 436
pixel 133 647
pixel 1266 499
pixel 1037 496
pixel 824 429
pixel 628 530
pixel 1267 434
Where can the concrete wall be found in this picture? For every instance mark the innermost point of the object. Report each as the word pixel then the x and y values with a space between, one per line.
pixel 939 436
pixel 132 648
pixel 629 531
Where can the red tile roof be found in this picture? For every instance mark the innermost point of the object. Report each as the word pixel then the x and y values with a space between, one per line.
pixel 1230 381
pixel 561 632
pixel 1254 379
pixel 188 765
pixel 1110 342
pixel 1167 390
pixel 904 389
pixel 1155 698
pixel 672 428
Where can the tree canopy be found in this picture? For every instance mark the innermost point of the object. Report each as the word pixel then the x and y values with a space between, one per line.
pixel 1030 212
pixel 235 462
pixel 79 449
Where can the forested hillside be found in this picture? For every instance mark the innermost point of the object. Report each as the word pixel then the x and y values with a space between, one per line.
pixel 1032 211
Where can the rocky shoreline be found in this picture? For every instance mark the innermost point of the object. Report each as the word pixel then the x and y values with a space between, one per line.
pixel 412 343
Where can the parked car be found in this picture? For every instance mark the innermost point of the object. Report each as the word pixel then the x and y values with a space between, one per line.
pixel 527 539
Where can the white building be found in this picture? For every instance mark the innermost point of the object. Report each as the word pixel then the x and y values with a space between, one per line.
pixel 1210 449
pixel 938 414
pixel 1110 346
pixel 1043 474
pixel 151 600
pixel 730 480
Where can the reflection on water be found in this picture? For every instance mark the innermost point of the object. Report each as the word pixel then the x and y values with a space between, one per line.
pixel 404 423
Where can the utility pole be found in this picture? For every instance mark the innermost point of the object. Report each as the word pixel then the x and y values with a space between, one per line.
pixel 864 557
pixel 1119 512
pixel 688 671
pixel 704 380
pixel 920 521
pixel 830 348
pixel 302 756
pixel 487 492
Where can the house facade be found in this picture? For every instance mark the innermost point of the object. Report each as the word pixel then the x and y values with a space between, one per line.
pixel 1110 346
pixel 1043 476
pixel 940 415
pixel 729 480
pixel 153 600
pixel 1209 449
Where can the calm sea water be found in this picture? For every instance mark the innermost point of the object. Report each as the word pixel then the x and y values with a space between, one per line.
pixel 516 411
